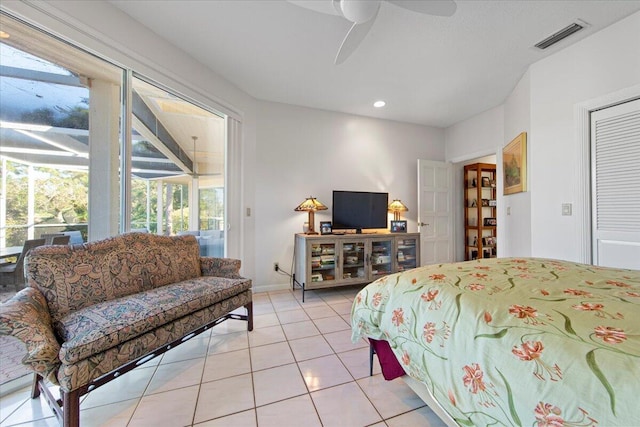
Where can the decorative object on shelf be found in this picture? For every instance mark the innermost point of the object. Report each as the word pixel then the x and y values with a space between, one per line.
pixel 311 205
pixel 398 226
pixel 325 227
pixel 488 241
pixel 490 222
pixel 493 203
pixel 514 159
pixel 396 207
pixel 486 182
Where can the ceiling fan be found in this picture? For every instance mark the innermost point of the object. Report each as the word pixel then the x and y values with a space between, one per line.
pixel 195 174
pixel 363 13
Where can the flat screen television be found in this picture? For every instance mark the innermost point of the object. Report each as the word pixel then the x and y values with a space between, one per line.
pixel 358 210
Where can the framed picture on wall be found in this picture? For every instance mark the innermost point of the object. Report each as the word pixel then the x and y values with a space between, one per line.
pixel 514 164
pixel 398 226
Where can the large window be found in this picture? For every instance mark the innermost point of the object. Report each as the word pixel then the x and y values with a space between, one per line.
pixel 61 139
pixel 52 99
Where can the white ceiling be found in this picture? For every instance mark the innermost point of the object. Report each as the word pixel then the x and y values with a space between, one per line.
pixel 430 70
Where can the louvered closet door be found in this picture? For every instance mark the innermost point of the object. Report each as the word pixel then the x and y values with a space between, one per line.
pixel 615 185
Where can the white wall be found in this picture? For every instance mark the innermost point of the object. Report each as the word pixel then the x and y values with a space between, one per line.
pixel 514 210
pixel 478 136
pixel 304 152
pixel 605 62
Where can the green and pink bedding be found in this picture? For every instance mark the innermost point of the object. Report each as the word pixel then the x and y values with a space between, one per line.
pixel 522 342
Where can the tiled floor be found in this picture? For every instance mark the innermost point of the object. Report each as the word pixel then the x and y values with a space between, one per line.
pixel 297 368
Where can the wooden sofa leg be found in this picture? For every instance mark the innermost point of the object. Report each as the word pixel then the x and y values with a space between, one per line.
pixel 372 351
pixel 35 390
pixel 71 408
pixel 249 308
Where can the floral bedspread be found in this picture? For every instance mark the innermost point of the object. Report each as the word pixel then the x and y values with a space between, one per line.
pixel 522 342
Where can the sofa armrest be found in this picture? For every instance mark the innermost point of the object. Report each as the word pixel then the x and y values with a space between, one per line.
pixel 220 267
pixel 26 317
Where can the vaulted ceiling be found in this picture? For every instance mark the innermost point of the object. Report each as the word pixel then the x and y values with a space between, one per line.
pixel 430 70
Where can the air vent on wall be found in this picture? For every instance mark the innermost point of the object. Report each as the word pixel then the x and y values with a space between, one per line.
pixel 560 35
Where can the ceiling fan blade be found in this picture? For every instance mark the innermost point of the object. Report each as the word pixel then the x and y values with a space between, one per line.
pixel 430 7
pixel 354 37
pixel 323 6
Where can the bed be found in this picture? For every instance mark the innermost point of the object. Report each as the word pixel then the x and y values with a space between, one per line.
pixel 513 341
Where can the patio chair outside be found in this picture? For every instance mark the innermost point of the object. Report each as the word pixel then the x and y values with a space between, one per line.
pixel 60 240
pixel 48 237
pixel 75 237
pixel 13 273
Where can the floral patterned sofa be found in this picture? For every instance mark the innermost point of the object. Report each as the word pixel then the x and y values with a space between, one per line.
pixel 91 312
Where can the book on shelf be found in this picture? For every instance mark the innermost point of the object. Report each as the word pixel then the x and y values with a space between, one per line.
pixel 327 259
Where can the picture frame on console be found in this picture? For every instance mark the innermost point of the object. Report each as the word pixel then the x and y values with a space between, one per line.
pixel 325 227
pixel 398 226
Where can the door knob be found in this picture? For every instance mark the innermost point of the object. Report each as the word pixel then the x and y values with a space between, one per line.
pixel 422 224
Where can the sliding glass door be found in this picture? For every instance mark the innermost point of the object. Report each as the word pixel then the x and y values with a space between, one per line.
pixel 178 168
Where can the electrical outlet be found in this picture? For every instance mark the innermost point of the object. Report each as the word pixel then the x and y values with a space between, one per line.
pixel 276 266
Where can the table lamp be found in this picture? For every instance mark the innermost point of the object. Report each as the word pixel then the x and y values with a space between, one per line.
pixel 396 207
pixel 311 205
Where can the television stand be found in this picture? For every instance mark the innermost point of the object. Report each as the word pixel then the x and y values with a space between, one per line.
pixel 329 260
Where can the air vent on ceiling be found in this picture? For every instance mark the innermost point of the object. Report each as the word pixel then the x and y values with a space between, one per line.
pixel 560 35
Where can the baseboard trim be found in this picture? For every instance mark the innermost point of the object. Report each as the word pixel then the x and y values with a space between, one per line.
pixel 270 288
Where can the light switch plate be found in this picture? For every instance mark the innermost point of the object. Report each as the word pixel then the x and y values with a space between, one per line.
pixel 566 209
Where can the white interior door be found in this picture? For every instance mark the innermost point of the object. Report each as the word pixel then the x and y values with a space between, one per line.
pixel 435 216
pixel 615 186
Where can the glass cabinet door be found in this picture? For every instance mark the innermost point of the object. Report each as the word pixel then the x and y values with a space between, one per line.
pixel 406 254
pixel 381 262
pixel 353 259
pixel 323 262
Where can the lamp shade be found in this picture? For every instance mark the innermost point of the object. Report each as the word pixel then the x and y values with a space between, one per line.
pixel 311 205
pixel 396 207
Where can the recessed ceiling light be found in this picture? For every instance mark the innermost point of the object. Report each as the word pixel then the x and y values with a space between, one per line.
pixel 379 104
pixel 4 35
